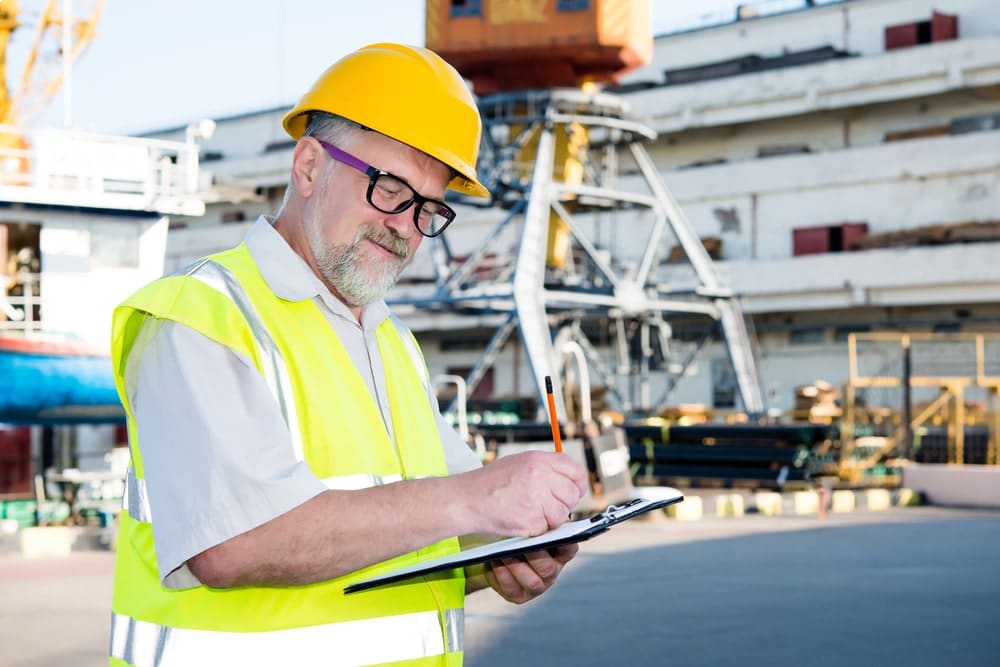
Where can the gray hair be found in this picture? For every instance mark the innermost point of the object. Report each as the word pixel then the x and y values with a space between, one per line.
pixel 338 131
pixel 332 129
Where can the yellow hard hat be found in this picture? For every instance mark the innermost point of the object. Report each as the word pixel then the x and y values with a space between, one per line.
pixel 408 93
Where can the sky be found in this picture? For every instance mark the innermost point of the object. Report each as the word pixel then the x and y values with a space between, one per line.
pixel 157 64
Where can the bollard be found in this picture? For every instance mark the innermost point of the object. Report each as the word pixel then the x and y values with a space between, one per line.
pixel 826 495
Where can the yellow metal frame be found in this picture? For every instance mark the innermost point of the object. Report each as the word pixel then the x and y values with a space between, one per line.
pixel 39 81
pixel 952 392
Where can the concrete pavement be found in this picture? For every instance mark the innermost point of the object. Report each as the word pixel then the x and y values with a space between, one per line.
pixel 915 586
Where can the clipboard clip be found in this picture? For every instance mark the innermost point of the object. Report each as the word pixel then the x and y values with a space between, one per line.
pixel 609 513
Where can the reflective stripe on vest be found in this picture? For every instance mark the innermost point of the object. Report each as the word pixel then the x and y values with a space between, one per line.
pixel 367 642
pixel 135 500
pixel 275 373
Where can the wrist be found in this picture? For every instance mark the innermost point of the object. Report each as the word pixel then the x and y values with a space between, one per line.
pixel 460 504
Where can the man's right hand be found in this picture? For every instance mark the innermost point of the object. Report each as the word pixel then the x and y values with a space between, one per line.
pixel 343 531
pixel 524 494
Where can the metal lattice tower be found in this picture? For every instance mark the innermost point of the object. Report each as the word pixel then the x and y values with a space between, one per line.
pixel 554 162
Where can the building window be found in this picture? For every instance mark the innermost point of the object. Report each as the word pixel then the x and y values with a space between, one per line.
pixel 462 344
pixel 842 237
pixel 723 384
pixel 466 8
pixel 940 28
pixel 841 334
pixel 807 336
pixel 947 327
pixel 572 5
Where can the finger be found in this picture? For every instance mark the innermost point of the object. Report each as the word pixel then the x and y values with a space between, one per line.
pixel 545 565
pixel 545 467
pixel 491 579
pixel 562 464
pixel 566 492
pixel 574 470
pixel 559 505
pixel 543 523
pixel 526 577
pixel 565 553
pixel 500 579
pixel 555 512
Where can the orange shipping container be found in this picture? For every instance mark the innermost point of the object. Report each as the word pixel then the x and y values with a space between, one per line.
pixel 503 45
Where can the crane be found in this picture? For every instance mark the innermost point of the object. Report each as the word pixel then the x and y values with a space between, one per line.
pixel 552 144
pixel 61 34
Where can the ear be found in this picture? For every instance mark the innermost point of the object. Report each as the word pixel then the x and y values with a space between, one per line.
pixel 307 166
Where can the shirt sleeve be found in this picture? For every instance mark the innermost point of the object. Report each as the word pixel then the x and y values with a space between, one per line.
pixel 217 456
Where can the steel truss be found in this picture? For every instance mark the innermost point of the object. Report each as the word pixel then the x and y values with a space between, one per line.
pixel 531 141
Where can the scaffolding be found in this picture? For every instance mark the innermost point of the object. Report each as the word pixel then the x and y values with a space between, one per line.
pixel 904 388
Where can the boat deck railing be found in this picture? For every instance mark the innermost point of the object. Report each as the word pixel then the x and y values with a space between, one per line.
pixel 69 168
pixel 20 304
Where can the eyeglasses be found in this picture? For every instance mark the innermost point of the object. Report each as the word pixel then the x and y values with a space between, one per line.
pixel 391 194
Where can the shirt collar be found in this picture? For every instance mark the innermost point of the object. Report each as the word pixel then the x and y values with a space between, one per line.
pixel 290 278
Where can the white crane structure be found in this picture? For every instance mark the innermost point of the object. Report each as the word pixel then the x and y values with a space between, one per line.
pixel 564 164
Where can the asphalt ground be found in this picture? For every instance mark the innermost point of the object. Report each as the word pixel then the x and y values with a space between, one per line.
pixel 909 586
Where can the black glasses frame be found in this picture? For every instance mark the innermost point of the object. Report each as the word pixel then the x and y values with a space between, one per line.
pixel 373 173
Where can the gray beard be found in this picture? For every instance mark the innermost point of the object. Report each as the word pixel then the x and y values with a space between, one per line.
pixel 343 267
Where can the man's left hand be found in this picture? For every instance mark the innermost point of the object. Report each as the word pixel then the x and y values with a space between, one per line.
pixel 524 578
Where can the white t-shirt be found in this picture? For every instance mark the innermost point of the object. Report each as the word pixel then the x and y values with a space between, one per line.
pixel 217 456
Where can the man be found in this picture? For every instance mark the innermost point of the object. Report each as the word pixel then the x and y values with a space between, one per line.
pixel 284 438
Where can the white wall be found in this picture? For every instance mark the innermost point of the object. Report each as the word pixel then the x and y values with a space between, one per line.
pixel 88 269
pixel 892 186
pixel 857 27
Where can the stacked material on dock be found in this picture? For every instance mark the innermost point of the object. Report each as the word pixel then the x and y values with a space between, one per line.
pixel 817 402
pixel 769 455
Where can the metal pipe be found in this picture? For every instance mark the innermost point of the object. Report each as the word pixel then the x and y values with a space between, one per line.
pixel 907 401
pixel 460 400
pixel 573 348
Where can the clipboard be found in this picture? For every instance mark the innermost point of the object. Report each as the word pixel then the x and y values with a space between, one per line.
pixel 568 533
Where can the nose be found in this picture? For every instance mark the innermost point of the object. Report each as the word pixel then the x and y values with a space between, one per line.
pixel 401 223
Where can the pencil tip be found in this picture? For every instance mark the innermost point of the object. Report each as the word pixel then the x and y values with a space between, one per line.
pixel 548 384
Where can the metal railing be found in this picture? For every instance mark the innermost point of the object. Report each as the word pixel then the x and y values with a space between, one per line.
pixel 947 367
pixel 79 169
pixel 21 312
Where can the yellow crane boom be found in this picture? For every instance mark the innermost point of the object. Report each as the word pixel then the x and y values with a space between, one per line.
pixel 9 10
pixel 43 72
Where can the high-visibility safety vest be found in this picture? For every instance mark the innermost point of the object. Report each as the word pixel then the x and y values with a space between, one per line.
pixel 337 429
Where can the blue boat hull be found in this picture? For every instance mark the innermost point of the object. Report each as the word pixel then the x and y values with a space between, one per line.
pixel 50 383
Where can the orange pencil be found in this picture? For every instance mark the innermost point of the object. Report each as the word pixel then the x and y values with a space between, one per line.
pixel 553 418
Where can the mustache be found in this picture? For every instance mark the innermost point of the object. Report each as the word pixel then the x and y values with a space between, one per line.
pixel 387 239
